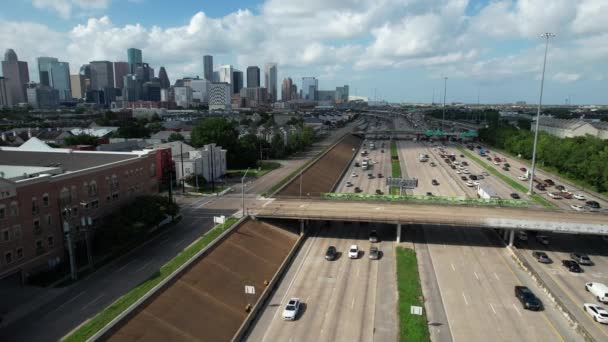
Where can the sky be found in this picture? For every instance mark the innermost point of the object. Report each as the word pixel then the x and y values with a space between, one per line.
pixel 394 50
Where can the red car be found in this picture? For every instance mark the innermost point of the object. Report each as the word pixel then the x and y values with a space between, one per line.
pixel 522 169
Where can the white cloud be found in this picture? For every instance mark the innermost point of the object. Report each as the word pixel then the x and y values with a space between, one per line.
pixel 566 77
pixel 64 7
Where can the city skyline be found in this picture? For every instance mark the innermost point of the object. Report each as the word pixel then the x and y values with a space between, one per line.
pixel 490 56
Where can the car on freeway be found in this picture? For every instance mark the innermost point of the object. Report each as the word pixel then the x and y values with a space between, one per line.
pixel 540 187
pixel 290 313
pixel 374 253
pixel 541 257
pixel 381 151
pixel 373 236
pixel 496 163
pixel 597 312
pixel 462 156
pixel 353 174
pixel 523 169
pixel 566 194
pixel 476 183
pixel 458 171
pixel 464 178
pixel 353 252
pixel 489 158
pixel 579 197
pixel 473 177
pixel 572 266
pixel 522 235
pixel 515 196
pixel 506 168
pixel 555 195
pixel 429 194
pixel 581 258
pixel 358 190
pixel 480 177
pixel 453 167
pixel 380 175
pixel 507 164
pixel 331 253
pixel 466 171
pixel 485 173
pixel 349 184
pixel 542 239
pixel 432 164
pixel 549 182
pixel 522 178
pixel 379 192
pixel 577 207
pixel 434 182
pixel 470 184
pixel 528 299
pixel 599 290
pixel 560 187
pixel 593 204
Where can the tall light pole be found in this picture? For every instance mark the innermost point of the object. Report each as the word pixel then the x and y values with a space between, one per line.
pixel 545 35
pixel 445 87
pixel 243 189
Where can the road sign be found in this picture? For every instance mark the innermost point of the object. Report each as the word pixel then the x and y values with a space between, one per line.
pixel 402 182
pixel 219 219
pixel 249 289
pixel 416 310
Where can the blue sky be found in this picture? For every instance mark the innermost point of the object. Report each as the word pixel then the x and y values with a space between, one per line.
pixel 398 49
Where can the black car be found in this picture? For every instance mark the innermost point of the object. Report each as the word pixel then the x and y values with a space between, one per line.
pixel 379 192
pixel 331 253
pixel 593 204
pixel 472 177
pixel 464 178
pixel 540 187
pixel 429 194
pixel 435 182
pixel 528 300
pixel 380 175
pixel 358 190
pixel 464 163
pixel 505 168
pixel 515 196
pixel 507 165
pixel 462 156
pixel 541 257
pixel 381 151
pixel 453 167
pixel 572 266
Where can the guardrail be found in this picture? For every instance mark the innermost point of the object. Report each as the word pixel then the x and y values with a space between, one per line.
pixel 428 199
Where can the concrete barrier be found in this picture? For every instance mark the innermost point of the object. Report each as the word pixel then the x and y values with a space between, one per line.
pixel 241 334
pixel 346 167
pixel 101 334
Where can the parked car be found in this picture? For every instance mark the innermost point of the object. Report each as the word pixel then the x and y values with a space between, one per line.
pixel 542 239
pixel 581 258
pixel 290 313
pixel 331 253
pixel 353 252
pixel 541 257
pixel 527 298
pixel 374 253
pixel 572 266
pixel 515 196
pixel 373 236
pixel 599 290
pixel 597 312
pixel 579 197
pixel 434 182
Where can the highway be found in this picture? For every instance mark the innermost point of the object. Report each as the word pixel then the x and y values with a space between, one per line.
pixel 344 300
pixel 381 164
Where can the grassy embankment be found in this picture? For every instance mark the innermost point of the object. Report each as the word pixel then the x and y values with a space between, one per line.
pixel 395 166
pixel 411 327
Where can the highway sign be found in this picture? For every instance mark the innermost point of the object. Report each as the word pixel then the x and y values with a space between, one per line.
pixel 416 310
pixel 402 182
pixel 249 289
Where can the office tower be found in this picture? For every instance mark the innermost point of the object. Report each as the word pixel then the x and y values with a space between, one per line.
pixel 342 94
pixel 216 76
pixel 16 77
pixel 237 79
pixel 225 74
pixel 286 89
pixel 294 92
pixel 120 70
pixel 42 96
pixel 131 90
pixel 270 77
pixel 134 57
pixel 85 70
pixel 142 71
pixel 3 93
pixel 150 73
pixel 220 96
pixel 151 90
pixel 309 86
pixel 208 67
pixel 183 96
pixel 200 90
pixel 254 96
pixel 60 80
pixel 78 84
pixel 44 69
pixel 164 79
pixel 253 77
pixel 102 75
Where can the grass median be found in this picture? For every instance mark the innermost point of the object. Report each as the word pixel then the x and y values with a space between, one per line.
pixel 411 327
pixel 92 326
pixel 510 181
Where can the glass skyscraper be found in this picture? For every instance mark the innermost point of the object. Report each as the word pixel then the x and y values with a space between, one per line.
pixel 134 57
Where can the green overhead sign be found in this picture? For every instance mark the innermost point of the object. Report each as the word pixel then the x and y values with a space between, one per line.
pixel 470 133
pixel 432 132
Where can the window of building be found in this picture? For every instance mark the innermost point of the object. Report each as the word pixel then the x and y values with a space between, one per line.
pixel 93 188
pixel 19 253
pixel 48 219
pixel 95 204
pixel 74 211
pixel 39 247
pixel 2 212
pixel 114 183
pixel 65 197
pixel 35 208
pixel 45 200
pixel 14 211
pixel 115 196
pixel 37 229
pixel 74 193
pixel 6 235
pixel 8 256
pixel 152 170
pixel 17 231
pixel 50 241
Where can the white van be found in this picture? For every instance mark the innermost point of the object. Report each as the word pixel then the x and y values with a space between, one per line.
pixel 599 290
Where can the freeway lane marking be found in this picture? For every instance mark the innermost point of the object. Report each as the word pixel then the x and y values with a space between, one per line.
pixel 68 302
pixel 465 298
pixel 476 276
pixel 352 304
pixel 492 306
pixel 453 268
pixel 143 266
pixel 516 309
pixel 496 276
pixel 92 302
pixel 125 265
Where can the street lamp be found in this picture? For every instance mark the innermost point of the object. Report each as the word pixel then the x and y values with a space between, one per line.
pixel 68 236
pixel 243 190
pixel 445 87
pixel 545 35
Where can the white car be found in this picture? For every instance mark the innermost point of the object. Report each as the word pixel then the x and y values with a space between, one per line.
pixel 579 197
pixel 599 290
pixel 577 207
pixel 522 178
pixel 485 173
pixel 353 252
pixel 458 171
pixel 554 195
pixel 476 183
pixel 353 174
pixel 291 309
pixel 496 163
pixel 466 171
pixel 597 312
pixel 470 184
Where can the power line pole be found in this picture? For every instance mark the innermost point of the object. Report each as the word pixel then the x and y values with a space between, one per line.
pixel 445 87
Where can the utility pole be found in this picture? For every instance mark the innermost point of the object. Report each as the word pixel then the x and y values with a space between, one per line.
pixel 67 230
pixel 546 35
pixel 300 184
pixel 445 87
pixel 243 190
pixel 181 153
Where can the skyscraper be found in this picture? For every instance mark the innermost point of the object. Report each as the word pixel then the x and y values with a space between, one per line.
pixel 120 70
pixel 3 93
pixel 78 84
pixel 16 77
pixel 237 78
pixel 220 96
pixel 225 73
pixel 164 78
pixel 309 86
pixel 134 57
pixel 44 69
pixel 60 80
pixel 253 77
pixel 132 88
pixel 142 71
pixel 270 76
pixel 102 75
pixel 286 89
pixel 208 67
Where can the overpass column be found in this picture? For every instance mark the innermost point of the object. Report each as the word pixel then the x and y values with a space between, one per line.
pixel 511 237
pixel 505 234
pixel 398 232
pixel 302 223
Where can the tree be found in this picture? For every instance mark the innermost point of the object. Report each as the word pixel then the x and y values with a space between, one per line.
pixel 133 129
pixel 81 139
pixel 215 130
pixel 176 137
pixel 277 146
pixel 247 153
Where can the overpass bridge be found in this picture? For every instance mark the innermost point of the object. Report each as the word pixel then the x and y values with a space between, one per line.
pixel 421 132
pixel 508 219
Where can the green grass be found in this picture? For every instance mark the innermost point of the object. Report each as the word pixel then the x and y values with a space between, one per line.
pixel 411 327
pixel 265 167
pixel 395 164
pixel 510 181
pixel 121 304
pixel 394 150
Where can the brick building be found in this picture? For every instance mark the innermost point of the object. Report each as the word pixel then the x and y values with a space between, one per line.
pixel 43 190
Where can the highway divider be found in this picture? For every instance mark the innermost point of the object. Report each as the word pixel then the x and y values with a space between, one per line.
pixel 100 325
pixel 244 329
pixel 428 199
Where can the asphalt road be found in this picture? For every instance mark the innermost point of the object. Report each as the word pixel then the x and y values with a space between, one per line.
pixel 381 164
pixel 345 299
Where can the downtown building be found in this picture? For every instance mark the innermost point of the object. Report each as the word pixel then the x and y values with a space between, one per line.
pixel 55 74
pixel 271 81
pixel 16 77
pixel 220 96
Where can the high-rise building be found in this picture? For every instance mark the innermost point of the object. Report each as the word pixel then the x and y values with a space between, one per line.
pixel 131 88
pixel 220 96
pixel 183 96
pixel 254 97
pixel 164 78
pixel 42 96
pixel 294 92
pixel 309 87
pixel 120 70
pixel 208 67
pixel 253 77
pixel 216 76
pixel 286 89
pixel 44 69
pixel 78 84
pixel 237 79
pixel 200 90
pixel 151 91
pixel 134 57
pixel 142 71
pixel 270 77
pixel 102 75
pixel 16 77
pixel 60 80
pixel 342 94
pixel 225 73
pixel 3 93
pixel 150 73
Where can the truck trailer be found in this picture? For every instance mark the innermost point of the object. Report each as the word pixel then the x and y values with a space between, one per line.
pixel 485 192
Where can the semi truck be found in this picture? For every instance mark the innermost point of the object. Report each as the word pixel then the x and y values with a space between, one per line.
pixel 485 192
pixel 423 157
pixel 365 164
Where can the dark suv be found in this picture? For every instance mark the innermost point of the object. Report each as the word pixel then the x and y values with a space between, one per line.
pixel 572 266
pixel 528 300
pixel 331 253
